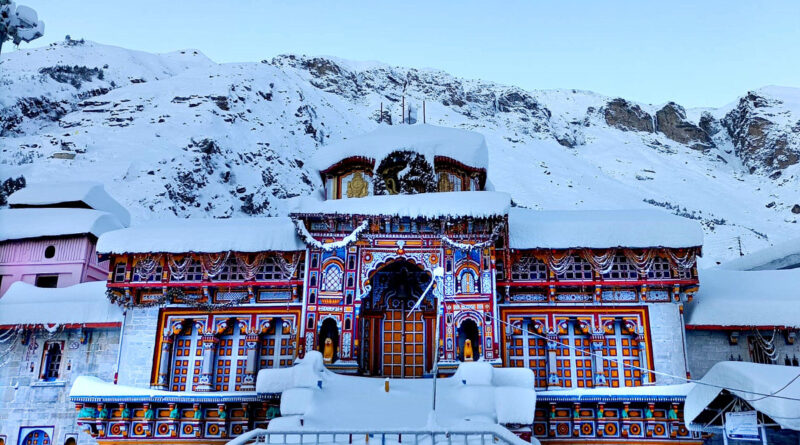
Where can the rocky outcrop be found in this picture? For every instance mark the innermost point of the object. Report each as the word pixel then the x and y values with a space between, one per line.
pixel 671 121
pixel 627 116
pixel 758 137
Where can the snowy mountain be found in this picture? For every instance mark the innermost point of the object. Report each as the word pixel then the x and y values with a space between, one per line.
pixel 179 135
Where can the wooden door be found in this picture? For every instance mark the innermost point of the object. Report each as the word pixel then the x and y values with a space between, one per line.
pixel 403 344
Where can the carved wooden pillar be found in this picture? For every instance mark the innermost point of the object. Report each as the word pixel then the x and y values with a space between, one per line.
pixel 251 365
pixel 162 381
pixel 598 340
pixel 552 347
pixel 210 343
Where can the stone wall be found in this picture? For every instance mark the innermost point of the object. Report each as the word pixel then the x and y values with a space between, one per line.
pixel 138 345
pixel 668 349
pixel 26 400
pixel 707 347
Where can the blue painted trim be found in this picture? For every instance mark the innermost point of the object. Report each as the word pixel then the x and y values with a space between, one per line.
pixel 543 397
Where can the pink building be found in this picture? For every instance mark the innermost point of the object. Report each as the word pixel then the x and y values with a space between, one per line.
pixel 48 236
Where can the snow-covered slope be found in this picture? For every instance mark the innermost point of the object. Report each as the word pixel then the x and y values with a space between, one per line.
pixel 179 135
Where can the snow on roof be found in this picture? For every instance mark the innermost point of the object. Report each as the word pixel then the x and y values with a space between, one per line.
pixel 564 229
pixel 204 235
pixel 423 205
pixel 35 223
pixel 780 256
pixel 93 194
pixel 88 388
pixel 749 381
pixel 467 147
pixel 25 303
pixel 746 298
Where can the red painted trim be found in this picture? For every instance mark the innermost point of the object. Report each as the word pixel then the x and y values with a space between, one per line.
pixel 700 327
pixel 650 283
pixel 107 324
pixel 208 284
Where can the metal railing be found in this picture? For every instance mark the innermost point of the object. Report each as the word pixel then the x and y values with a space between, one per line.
pixel 385 437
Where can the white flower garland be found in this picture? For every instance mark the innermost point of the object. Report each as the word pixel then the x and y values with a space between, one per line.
pixel 327 247
pixel 469 247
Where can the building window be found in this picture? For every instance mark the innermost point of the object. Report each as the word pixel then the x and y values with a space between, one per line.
pixel 468 282
pixel 50 251
pixel 275 348
pixel 578 270
pixel 119 272
pixel 51 361
pixel 231 359
pixel 529 351
pixel 621 359
pixel 150 273
pixel 230 271
pixel 269 270
pixel 332 278
pixel 529 269
pixel 660 270
pixel 574 358
pixel 46 281
pixel 187 358
pixel 621 269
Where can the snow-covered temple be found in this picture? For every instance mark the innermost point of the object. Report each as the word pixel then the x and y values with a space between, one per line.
pixel 590 301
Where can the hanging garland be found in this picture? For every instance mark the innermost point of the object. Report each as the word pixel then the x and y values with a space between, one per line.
pixel 470 247
pixel 178 270
pixel 213 265
pixel 249 269
pixel 684 262
pixel 642 263
pixel 327 247
pixel 562 264
pixel 208 305
pixel 287 269
pixel 146 264
pixel 600 263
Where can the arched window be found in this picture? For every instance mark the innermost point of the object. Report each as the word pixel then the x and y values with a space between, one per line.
pixel 332 278
pixel 187 358
pixel 69 441
pixel 468 282
pixel 275 348
pixel 36 437
pixel 231 358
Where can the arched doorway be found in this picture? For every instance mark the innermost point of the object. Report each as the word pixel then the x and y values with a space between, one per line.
pixel 329 330
pixel 396 341
pixel 468 330
pixel 36 437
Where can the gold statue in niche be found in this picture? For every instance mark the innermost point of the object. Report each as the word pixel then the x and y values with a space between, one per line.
pixel 445 184
pixel 358 186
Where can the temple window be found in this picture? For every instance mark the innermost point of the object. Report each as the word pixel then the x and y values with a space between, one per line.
pixel 193 272
pixel 468 281
pixel 268 270
pixel 621 269
pixel 332 278
pixel 47 281
pixel 231 358
pixel 621 357
pixel 574 357
pixel 660 270
pixel 527 350
pixel 275 348
pixel 578 270
pixel 119 272
pixel 51 361
pixel 448 182
pixel 230 271
pixel 529 269
pixel 187 358
pixel 142 274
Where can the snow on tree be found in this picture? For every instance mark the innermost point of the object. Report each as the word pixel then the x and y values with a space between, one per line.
pixel 18 23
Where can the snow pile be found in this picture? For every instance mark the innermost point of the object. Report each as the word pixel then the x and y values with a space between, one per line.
pixel 467 147
pixel 598 229
pixel 780 256
pixel 89 388
pixel 204 235
pixel 752 382
pixel 678 391
pixel 475 396
pixel 55 194
pixel 35 223
pixel 25 303
pixel 423 205
pixel 746 298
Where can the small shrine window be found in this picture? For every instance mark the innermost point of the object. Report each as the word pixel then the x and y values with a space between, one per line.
pixel 276 346
pixel 578 270
pixel 51 362
pixel 528 350
pixel 660 270
pixel 529 269
pixel 119 272
pixel 468 282
pixel 332 278
pixel 621 269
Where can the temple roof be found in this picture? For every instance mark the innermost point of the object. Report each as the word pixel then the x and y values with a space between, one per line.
pixel 732 299
pixel 423 205
pixel 599 229
pixel 59 194
pixel 47 222
pixel 204 236
pixel 83 303
pixel 466 147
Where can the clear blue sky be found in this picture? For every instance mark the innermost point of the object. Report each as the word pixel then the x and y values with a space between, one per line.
pixel 698 53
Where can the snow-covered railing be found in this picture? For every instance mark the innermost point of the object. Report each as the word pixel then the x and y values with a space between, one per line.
pixel 438 436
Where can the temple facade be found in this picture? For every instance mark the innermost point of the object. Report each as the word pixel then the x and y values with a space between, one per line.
pixel 407 235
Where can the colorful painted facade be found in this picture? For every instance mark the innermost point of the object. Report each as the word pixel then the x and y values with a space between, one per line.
pixel 592 302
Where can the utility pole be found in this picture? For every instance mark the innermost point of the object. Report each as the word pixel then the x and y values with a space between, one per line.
pixel 739 240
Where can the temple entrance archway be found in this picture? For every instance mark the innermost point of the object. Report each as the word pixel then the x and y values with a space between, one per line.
pixel 396 340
